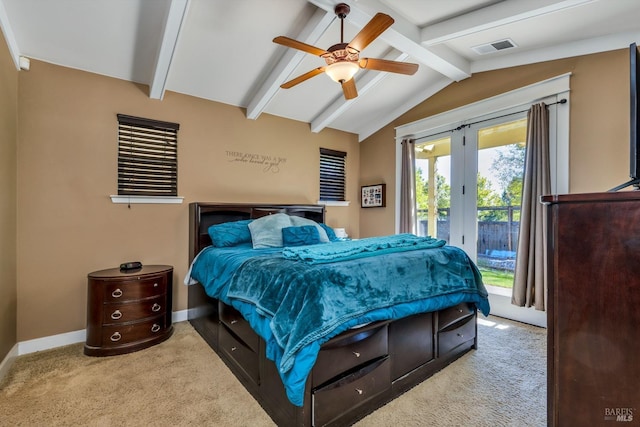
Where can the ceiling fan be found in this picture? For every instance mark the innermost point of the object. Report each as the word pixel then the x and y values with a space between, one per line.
pixel 343 59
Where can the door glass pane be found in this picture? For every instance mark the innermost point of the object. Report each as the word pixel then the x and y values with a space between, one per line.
pixel 501 150
pixel 433 187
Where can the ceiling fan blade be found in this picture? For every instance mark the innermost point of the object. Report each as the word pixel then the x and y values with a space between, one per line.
pixel 349 89
pixel 390 66
pixel 286 41
pixel 371 31
pixel 301 78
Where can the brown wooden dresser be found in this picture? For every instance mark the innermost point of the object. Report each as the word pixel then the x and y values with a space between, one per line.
pixel 128 310
pixel 593 309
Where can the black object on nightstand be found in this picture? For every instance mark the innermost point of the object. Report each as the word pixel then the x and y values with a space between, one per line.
pixel 128 311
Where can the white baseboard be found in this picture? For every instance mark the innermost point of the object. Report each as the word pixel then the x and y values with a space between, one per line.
pixel 7 362
pixel 179 316
pixel 501 306
pixel 53 341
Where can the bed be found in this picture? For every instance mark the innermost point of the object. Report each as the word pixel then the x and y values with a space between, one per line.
pixel 309 324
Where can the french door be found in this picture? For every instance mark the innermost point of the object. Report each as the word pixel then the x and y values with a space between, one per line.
pixel 468 185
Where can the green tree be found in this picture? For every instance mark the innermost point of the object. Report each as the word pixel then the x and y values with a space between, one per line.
pixel 443 198
pixel 422 191
pixel 509 167
pixel 488 197
pixel 443 192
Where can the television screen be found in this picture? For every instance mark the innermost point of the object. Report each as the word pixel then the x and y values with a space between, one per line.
pixel 634 124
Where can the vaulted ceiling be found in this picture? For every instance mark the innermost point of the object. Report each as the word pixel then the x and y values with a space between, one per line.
pixel 222 50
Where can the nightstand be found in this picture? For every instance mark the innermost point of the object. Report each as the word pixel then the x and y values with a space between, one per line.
pixel 128 311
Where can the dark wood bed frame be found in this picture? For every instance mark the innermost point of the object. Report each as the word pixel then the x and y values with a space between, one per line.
pixel 356 372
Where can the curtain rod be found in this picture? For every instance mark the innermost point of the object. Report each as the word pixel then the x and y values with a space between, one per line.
pixel 562 101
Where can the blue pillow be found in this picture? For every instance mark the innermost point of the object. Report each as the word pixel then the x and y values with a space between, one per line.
pixel 230 233
pixel 299 221
pixel 330 233
pixel 301 235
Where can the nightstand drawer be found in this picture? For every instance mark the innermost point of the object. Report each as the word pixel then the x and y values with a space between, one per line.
pixel 130 290
pixel 122 313
pixel 117 335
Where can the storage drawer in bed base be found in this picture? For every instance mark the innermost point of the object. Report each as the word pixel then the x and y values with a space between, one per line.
pixel 239 353
pixel 358 390
pixel 333 400
pixel 457 334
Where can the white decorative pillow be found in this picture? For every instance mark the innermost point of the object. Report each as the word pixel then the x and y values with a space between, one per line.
pixel 299 221
pixel 266 232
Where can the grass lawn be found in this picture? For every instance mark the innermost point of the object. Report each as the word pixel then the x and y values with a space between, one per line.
pixel 499 278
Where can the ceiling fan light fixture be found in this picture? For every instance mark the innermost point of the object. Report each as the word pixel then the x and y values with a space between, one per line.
pixel 342 71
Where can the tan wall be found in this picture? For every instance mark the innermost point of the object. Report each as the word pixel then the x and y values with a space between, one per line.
pixel 599 128
pixel 67 224
pixel 8 137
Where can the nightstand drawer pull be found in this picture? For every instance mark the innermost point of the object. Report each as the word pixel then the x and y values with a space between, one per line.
pixel 116 315
pixel 116 336
pixel 156 307
pixel 117 293
pixel 155 327
pixel 155 284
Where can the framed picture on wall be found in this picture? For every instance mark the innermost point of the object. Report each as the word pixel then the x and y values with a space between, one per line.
pixel 372 196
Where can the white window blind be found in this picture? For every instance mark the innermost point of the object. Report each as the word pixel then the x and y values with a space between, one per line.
pixel 332 175
pixel 147 157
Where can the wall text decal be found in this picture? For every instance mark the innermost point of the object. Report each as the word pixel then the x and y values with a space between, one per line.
pixel 268 163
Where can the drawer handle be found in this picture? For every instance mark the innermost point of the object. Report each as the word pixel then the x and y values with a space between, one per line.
pixel 117 293
pixel 359 391
pixel 234 321
pixel 460 335
pixel 234 348
pixel 155 327
pixel 459 310
pixel 356 354
pixel 155 307
pixel 155 285
pixel 116 336
pixel 116 315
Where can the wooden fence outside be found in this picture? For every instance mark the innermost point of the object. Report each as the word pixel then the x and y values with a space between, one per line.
pixel 495 238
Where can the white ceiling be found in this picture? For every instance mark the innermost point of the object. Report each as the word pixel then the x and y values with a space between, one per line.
pixel 222 50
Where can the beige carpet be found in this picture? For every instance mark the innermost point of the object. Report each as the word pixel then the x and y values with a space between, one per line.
pixel 181 382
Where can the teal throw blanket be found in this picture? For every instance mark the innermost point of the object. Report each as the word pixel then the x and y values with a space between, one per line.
pixel 354 249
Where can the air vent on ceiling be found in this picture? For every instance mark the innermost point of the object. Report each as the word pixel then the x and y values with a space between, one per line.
pixel 483 49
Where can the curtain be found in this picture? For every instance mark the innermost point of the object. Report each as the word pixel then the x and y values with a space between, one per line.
pixel 529 287
pixel 408 188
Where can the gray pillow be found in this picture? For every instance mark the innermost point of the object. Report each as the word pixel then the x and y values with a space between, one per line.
pixel 266 232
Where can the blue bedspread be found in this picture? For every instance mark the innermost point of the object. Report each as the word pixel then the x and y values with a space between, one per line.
pixel 296 306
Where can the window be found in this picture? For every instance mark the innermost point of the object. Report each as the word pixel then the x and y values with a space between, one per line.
pixel 332 175
pixel 147 157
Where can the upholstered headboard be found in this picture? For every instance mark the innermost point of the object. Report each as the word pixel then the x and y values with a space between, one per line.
pixel 202 215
